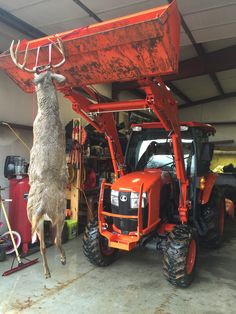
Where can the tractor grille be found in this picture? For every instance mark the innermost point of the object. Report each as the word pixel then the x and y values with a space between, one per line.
pixel 127 225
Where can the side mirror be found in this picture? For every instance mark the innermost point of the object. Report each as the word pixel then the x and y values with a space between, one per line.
pixel 207 151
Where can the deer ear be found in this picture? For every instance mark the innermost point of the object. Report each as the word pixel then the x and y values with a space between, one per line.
pixel 58 77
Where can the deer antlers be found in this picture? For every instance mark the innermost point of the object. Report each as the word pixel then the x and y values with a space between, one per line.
pixel 58 45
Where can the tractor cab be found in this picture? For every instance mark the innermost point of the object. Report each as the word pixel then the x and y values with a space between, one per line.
pixel 150 147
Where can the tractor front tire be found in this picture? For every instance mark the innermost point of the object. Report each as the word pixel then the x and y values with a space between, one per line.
pixel 180 256
pixel 213 215
pixel 96 247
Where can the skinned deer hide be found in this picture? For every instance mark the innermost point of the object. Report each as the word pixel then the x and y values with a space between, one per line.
pixel 48 169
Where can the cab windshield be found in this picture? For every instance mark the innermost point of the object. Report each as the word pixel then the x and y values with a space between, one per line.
pixel 152 148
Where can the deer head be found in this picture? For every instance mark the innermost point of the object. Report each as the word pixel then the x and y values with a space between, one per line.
pixel 37 69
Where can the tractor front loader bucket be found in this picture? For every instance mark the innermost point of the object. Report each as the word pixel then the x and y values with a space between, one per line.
pixel 127 48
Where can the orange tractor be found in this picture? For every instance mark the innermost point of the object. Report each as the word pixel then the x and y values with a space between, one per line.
pixel 153 205
pixel 163 195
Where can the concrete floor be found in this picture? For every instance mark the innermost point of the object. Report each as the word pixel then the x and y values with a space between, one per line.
pixel 134 284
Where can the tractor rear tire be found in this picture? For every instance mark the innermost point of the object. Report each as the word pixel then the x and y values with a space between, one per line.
pixel 96 247
pixel 213 215
pixel 180 256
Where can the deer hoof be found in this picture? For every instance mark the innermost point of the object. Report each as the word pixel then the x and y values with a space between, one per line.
pixel 47 275
pixel 63 260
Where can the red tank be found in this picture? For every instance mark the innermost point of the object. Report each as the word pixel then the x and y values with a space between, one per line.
pixel 18 192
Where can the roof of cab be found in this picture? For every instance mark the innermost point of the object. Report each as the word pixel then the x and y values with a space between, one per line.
pixel 157 125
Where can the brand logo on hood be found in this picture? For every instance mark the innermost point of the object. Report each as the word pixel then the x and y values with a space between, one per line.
pixel 123 198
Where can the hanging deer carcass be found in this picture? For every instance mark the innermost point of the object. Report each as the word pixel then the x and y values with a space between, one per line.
pixel 47 170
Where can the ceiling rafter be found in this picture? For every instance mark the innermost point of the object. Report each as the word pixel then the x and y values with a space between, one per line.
pixel 178 92
pixel 86 9
pixel 20 25
pixel 216 61
pixel 201 52
pixel 208 100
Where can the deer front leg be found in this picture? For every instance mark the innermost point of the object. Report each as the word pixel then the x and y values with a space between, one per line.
pixel 40 233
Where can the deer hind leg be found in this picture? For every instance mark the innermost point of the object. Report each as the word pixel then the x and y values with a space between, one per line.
pixel 40 233
pixel 59 228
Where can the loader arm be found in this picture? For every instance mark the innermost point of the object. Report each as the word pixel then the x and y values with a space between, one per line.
pixel 165 108
pixel 160 101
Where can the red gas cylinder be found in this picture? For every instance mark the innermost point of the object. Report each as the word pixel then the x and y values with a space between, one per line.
pixel 18 192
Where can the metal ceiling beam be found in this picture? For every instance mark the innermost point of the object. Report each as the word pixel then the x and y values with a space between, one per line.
pixel 19 25
pixel 208 100
pixel 216 61
pixel 201 52
pixel 86 9
pixel 216 82
pixel 178 92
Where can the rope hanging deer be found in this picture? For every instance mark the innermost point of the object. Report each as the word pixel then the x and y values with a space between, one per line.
pixel 48 169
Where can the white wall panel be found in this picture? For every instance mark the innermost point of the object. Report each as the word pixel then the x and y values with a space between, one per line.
pixel 216 111
pixel 199 87
pixel 58 27
pixel 15 105
pixel 7 34
pixel 44 13
pixel 215 33
pixel 106 14
pixel 228 80
pixel 12 5
pixel 191 114
pixel 191 6
pixel 210 18
pixel 108 5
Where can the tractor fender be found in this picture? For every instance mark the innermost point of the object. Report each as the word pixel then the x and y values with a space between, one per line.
pixel 209 184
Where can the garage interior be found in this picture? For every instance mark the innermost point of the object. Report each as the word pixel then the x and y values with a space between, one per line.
pixel 205 90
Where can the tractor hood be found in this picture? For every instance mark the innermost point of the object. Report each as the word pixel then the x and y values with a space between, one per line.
pixel 132 181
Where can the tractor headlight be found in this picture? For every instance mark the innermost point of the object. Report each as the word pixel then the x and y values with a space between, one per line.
pixel 114 198
pixel 134 200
